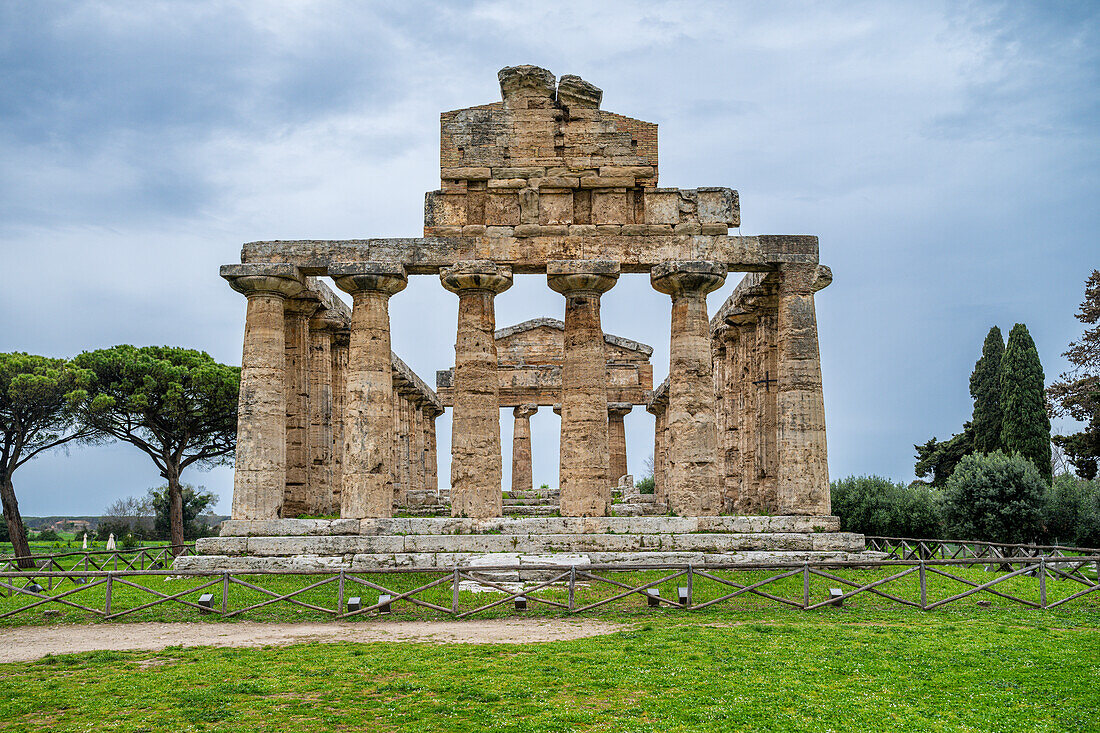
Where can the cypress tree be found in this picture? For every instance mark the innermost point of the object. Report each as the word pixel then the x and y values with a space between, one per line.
pixel 1025 428
pixel 985 388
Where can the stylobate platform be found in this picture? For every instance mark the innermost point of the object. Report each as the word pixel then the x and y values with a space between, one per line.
pixel 442 542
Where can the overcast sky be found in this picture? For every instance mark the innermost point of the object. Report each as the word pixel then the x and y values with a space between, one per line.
pixel 946 154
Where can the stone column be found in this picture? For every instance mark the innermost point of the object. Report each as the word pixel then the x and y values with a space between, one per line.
pixel 418 483
pixel 584 473
pixel 658 413
pixel 694 487
pixel 476 467
pixel 803 462
pixel 767 453
pixel 431 459
pixel 368 419
pixel 522 479
pixel 340 341
pixel 298 311
pixel 616 439
pixel 259 477
pixel 750 499
pixel 730 439
pixel 320 443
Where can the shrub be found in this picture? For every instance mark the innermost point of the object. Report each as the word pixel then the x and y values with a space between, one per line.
pixel 1071 512
pixel 645 485
pixel 995 498
pixel 877 506
pixel 47 535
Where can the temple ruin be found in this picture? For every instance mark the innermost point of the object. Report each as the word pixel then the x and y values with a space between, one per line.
pixel 545 182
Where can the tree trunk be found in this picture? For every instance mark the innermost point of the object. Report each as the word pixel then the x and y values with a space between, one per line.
pixel 175 509
pixel 15 522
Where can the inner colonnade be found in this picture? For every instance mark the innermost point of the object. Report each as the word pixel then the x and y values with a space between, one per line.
pixel 542 182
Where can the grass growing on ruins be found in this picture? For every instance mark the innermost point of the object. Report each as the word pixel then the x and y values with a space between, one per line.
pixel 718 671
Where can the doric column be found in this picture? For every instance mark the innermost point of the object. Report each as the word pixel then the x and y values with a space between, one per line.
pixel 522 479
pixel 418 484
pixel 340 342
pixel 616 439
pixel 658 412
pixel 475 423
pixel 767 450
pixel 750 499
pixel 584 473
pixel 431 459
pixel 694 488
pixel 729 439
pixel 298 311
pixel 259 477
pixel 368 418
pixel 803 462
pixel 319 498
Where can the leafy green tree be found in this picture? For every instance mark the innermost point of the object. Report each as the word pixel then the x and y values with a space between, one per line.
pixel 1076 393
pixel 939 459
pixel 877 506
pixel 995 498
pixel 1026 425
pixel 195 502
pixel 1071 512
pixel 985 388
pixel 177 405
pixel 36 414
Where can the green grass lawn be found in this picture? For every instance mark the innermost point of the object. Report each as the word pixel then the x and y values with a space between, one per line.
pixel 749 664
pixel 722 670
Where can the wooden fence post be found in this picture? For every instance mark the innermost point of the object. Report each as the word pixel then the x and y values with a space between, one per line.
pixel 572 585
pixel 225 592
pixel 690 585
pixel 923 588
pixel 805 586
pixel 107 603
pixel 454 592
pixel 1042 582
pixel 340 595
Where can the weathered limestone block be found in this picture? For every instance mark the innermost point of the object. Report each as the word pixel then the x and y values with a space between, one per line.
pixel 367 489
pixel 694 482
pixel 616 439
pixel 260 476
pixel 522 480
pixel 475 433
pixel 584 473
pixel 574 92
pixel 803 464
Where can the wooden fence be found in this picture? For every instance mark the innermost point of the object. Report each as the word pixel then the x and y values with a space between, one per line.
pixel 698 586
pixel 153 557
pixel 903 548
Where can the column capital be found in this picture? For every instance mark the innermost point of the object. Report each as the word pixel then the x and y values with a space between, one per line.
pixel 525 410
pixel 687 277
pixel 619 409
pixel 476 275
pixel 804 277
pixel 556 408
pixel 326 320
pixel 581 277
pixel 388 278
pixel 279 279
pixel 303 307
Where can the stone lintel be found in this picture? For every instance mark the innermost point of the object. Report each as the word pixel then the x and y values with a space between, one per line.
pixel 529 255
pixel 554 323
pixel 401 371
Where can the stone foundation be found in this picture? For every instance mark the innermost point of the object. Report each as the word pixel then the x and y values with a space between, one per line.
pixel 440 542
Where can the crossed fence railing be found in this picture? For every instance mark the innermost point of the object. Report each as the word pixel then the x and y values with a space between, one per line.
pixel 153 557
pixel 903 548
pixel 557 586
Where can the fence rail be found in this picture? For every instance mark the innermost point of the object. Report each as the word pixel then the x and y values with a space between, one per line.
pixel 904 548
pixel 152 557
pixel 704 585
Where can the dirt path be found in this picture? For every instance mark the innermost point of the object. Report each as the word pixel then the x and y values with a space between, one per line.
pixel 28 643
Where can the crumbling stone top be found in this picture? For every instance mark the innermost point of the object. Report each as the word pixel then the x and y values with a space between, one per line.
pixel 530 325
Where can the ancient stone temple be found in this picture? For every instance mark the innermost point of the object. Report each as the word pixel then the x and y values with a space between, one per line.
pixel 543 181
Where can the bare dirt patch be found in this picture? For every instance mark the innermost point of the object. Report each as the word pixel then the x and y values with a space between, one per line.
pixel 28 643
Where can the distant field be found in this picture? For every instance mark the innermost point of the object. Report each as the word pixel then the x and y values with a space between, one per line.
pixel 773 670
